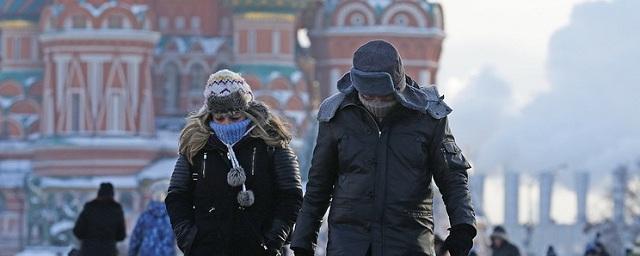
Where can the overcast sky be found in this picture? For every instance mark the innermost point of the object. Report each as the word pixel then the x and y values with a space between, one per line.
pixel 510 36
pixel 540 84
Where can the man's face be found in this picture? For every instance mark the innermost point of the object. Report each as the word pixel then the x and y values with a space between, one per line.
pixel 497 241
pixel 384 98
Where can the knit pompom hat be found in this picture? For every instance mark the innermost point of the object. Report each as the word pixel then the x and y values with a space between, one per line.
pixel 226 91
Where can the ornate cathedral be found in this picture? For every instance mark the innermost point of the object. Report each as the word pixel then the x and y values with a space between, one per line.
pixel 97 90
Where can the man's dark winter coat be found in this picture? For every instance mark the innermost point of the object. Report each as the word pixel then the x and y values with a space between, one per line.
pixel 377 179
pixel 507 249
pixel 100 226
pixel 205 214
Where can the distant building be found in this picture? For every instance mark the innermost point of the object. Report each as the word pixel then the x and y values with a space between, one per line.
pixel 338 28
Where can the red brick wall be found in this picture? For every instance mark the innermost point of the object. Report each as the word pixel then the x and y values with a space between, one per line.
pixel 210 12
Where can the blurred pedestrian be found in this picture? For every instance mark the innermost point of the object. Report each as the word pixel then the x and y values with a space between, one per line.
pixel 235 189
pixel 152 235
pixel 596 248
pixel 100 224
pixel 551 251
pixel 500 245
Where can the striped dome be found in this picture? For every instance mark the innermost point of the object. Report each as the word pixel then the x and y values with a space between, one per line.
pixel 16 9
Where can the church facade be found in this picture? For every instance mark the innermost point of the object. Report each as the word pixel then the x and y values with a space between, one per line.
pixel 95 90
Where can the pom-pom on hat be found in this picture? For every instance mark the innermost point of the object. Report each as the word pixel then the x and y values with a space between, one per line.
pixel 226 91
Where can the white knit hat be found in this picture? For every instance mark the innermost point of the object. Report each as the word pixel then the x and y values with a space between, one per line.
pixel 227 91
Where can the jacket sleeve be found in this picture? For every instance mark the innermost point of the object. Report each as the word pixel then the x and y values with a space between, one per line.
pixel 121 230
pixel 179 202
pixel 449 169
pixel 80 229
pixel 322 176
pixel 288 196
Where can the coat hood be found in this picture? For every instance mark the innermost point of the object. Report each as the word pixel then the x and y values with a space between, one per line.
pixel 411 96
pixel 157 209
pixel 423 99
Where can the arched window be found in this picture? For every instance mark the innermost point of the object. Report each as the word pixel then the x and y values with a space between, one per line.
pixel 198 79
pixel 357 19
pixel 171 87
pixel 78 22
pixel 3 203
pixel 437 18
pixel 116 117
pixel 76 112
pixel 163 22
pixel 401 20
pixel 115 22
pixel 180 22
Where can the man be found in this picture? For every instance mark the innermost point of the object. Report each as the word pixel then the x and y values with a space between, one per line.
pixel 101 224
pixel 500 245
pixel 381 140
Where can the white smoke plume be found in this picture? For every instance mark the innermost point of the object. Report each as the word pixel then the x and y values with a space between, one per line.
pixel 585 121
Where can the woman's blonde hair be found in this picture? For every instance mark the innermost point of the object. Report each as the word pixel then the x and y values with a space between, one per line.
pixel 268 127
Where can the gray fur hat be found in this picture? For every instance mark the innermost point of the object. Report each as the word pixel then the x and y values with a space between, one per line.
pixel 377 69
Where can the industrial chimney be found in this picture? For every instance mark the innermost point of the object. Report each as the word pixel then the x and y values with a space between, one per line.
pixel 546 192
pixel 477 193
pixel 512 185
pixel 582 188
pixel 619 190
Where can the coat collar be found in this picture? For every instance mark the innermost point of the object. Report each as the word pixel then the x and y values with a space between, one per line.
pixel 412 97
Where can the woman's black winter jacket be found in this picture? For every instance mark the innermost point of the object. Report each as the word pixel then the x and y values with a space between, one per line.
pixel 205 214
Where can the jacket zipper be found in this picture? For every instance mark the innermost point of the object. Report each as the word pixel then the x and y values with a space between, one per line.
pixel 253 161
pixel 255 232
pixel 204 164
pixel 372 119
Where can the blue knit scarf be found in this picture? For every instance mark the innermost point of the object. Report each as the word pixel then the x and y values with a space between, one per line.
pixel 230 133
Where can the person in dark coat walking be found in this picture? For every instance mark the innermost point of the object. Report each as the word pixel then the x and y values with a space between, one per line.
pixel 500 245
pixel 236 187
pixel 152 235
pixel 596 247
pixel 100 224
pixel 381 141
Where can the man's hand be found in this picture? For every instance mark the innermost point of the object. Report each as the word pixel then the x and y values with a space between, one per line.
pixel 302 252
pixel 460 240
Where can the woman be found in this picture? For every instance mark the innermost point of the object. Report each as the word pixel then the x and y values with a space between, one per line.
pixel 235 189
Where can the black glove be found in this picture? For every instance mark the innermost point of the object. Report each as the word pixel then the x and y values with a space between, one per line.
pixel 460 240
pixel 302 252
pixel 185 235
